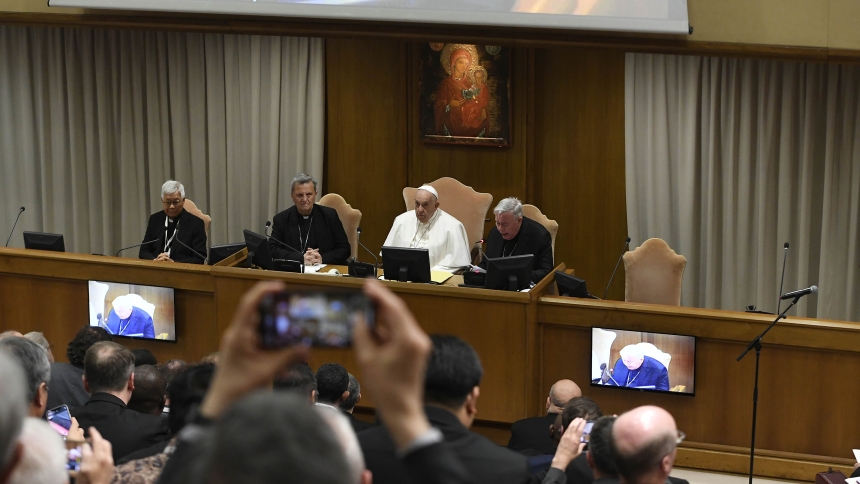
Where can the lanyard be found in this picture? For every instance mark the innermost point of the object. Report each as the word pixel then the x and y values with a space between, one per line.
pixel 304 246
pixel 512 250
pixel 168 242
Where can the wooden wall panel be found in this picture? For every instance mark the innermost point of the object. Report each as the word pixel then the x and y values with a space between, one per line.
pixel 578 167
pixel 366 131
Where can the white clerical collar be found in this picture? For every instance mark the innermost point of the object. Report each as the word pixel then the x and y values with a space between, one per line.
pixel 305 217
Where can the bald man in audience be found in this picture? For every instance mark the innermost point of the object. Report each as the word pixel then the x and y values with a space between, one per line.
pixel 645 442
pixel 533 436
pixel 150 389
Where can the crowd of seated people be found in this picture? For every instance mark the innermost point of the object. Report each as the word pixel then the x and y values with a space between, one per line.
pixel 248 414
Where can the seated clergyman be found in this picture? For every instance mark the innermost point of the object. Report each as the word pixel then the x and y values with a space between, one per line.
pixel 515 234
pixel 174 235
pixel 429 227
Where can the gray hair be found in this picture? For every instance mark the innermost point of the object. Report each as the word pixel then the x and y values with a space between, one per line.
pixel 10 334
pixel 44 456
pixel 172 186
pixel 33 359
pixel 354 389
pixel 510 204
pixel 13 406
pixel 301 179
pixel 347 439
pixel 39 338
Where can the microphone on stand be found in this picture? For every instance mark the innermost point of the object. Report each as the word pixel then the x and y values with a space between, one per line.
pixel 480 245
pixel 301 260
pixel 198 254
pixel 611 371
pixel 781 279
pixel 799 293
pixel 604 374
pixel 136 245
pixel 13 226
pixel 626 246
pixel 361 269
pixel 358 239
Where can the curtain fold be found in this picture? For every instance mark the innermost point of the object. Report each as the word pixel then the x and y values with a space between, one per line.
pixel 729 158
pixel 92 122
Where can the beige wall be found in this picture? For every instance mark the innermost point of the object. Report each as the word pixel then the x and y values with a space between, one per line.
pixel 805 23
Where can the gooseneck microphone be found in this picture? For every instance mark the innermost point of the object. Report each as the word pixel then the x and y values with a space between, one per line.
pixel 301 260
pixel 358 239
pixel 136 245
pixel 800 293
pixel 13 226
pixel 480 245
pixel 626 246
pixel 781 279
pixel 198 254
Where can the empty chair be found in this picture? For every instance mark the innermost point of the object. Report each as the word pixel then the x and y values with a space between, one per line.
pixel 654 273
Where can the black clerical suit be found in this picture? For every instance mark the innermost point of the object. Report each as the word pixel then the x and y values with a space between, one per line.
pixel 531 436
pixel 192 232
pixel 533 238
pixel 483 459
pixel 321 230
pixel 125 429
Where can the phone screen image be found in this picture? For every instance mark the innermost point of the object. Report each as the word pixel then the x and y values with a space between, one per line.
pixel 586 431
pixel 323 319
pixel 73 462
pixel 60 419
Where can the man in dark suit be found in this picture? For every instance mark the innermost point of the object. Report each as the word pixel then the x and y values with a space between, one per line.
pixel 315 231
pixel 109 377
pixel 67 384
pixel 599 455
pixel 518 235
pixel 348 405
pixel 173 227
pixel 532 436
pixel 636 370
pixel 450 396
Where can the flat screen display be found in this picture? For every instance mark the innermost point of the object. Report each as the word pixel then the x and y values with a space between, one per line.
pixel 637 360
pixel 658 16
pixel 133 310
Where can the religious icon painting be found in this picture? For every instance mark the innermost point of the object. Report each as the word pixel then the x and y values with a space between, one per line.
pixel 465 94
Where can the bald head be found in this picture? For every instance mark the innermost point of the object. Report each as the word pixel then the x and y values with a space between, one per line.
pixel 644 443
pixel 561 392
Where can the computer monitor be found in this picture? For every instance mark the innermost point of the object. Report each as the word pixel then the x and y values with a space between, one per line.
pixel 133 310
pixel 218 253
pixel 569 285
pixel 509 273
pixel 406 265
pixel 44 241
pixel 258 250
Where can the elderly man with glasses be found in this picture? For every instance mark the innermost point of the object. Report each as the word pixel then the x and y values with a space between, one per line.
pixel 174 235
pixel 645 443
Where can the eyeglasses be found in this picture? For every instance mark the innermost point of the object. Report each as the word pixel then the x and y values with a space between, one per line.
pixel 681 437
pixel 168 203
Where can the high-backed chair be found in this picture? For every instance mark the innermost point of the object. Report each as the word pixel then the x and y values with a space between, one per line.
pixel 654 273
pixel 462 202
pixel 349 217
pixel 191 208
pixel 551 226
pixel 600 352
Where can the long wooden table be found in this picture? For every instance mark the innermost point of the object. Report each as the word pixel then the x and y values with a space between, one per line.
pixel 526 342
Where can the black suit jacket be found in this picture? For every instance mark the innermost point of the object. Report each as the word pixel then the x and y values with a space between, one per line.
pixel 533 238
pixel 125 429
pixel 192 232
pixel 327 231
pixel 66 386
pixel 483 459
pixel 357 425
pixel 532 434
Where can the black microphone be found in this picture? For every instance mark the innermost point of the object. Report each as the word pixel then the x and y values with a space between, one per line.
pixel 611 371
pixel 198 254
pixel 268 227
pixel 13 226
pixel 800 293
pixel 604 375
pixel 626 246
pixel 136 245
pixel 358 239
pixel 781 279
pixel 301 256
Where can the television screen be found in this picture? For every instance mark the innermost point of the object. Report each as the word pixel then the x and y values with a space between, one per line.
pixel 133 310
pixel 643 361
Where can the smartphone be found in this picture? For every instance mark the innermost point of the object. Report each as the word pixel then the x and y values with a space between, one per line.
pixel 73 457
pixel 323 319
pixel 60 419
pixel 586 432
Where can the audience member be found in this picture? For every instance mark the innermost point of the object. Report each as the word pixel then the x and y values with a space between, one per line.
pixel 150 390
pixel 348 405
pixel 43 456
pixel 599 455
pixel 451 391
pixel 345 436
pixel 577 409
pixel 644 445
pixel 299 378
pixel 332 385
pixel 10 334
pixel 143 356
pixel 67 386
pixel 169 370
pixel 39 338
pixel 533 436
pixel 211 358
pixel 13 409
pixel 37 371
pixel 109 377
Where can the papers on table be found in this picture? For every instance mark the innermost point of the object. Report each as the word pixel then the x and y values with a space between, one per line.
pixel 314 268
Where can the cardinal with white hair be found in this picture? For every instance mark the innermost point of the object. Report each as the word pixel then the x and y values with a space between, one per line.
pixel 635 369
pixel 126 319
pixel 429 227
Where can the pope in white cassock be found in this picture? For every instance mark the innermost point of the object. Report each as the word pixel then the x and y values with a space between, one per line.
pixel 429 227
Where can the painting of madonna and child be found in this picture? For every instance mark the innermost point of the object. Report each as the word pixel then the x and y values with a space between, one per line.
pixel 643 361
pixel 465 94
